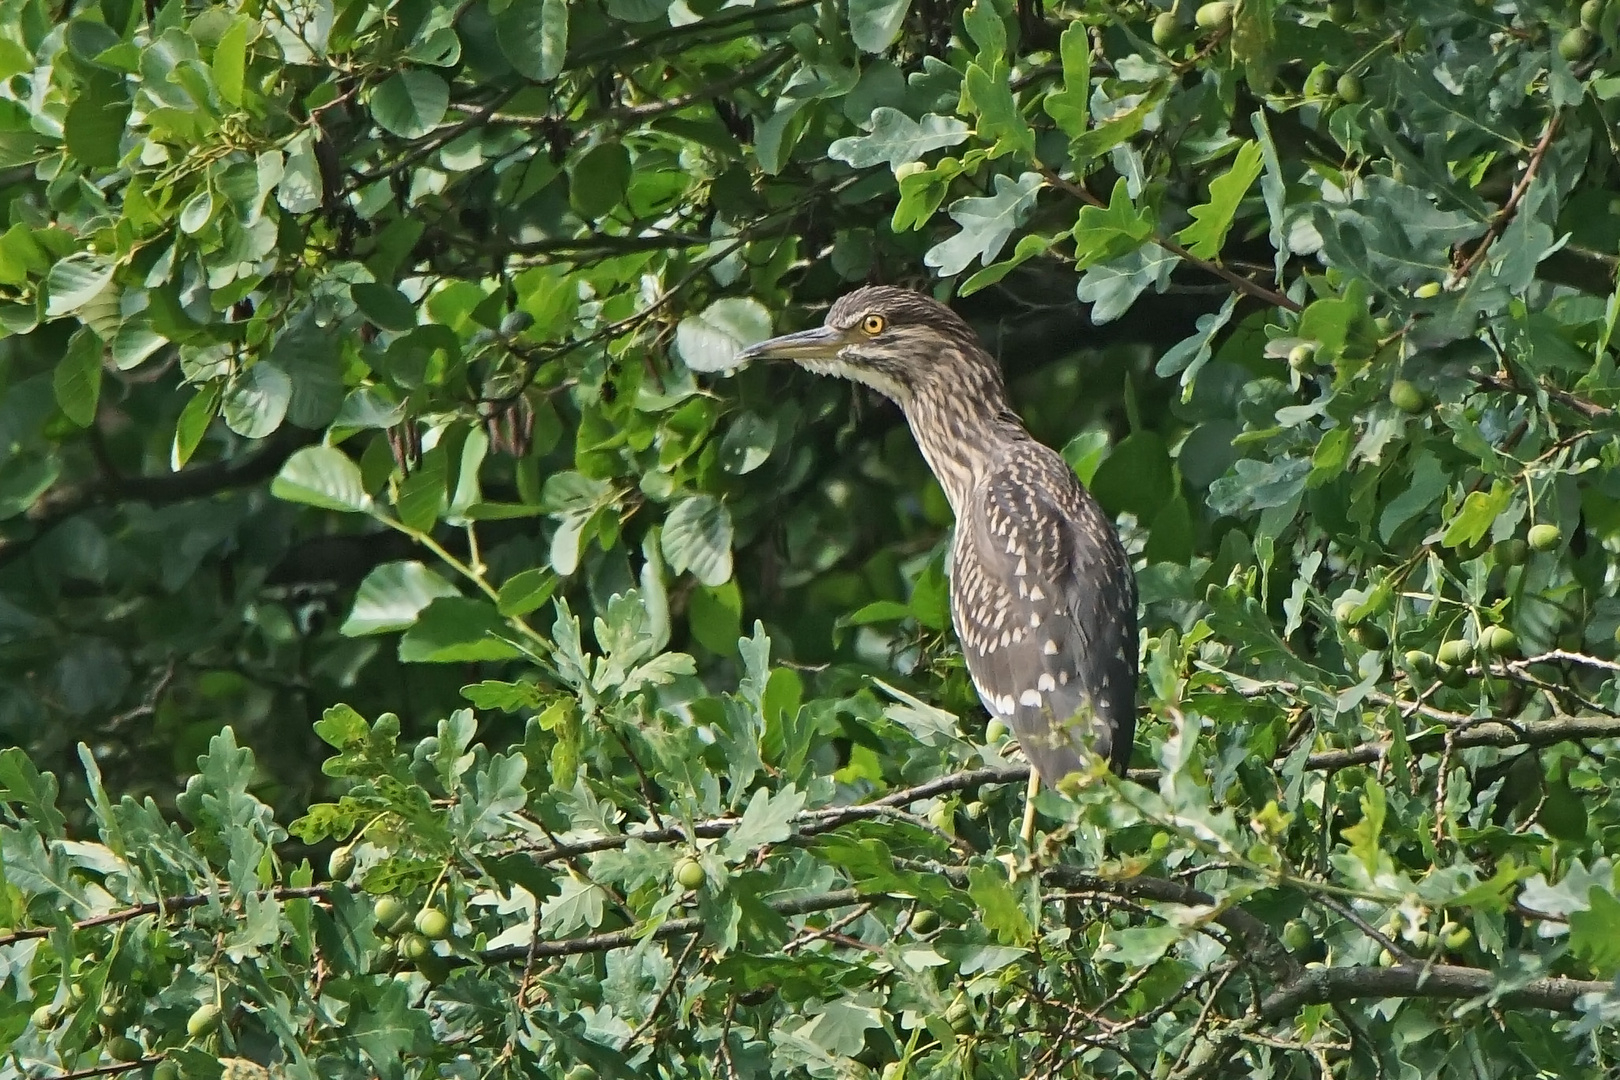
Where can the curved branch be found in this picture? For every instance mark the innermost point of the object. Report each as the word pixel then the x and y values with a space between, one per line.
pixel 621 939
pixel 1232 278
pixel 62 503
pixel 1327 986
pixel 1498 733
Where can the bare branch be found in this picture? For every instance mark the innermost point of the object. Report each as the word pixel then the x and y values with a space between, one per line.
pixel 1326 986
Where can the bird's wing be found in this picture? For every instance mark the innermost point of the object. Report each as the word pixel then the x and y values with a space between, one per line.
pixel 1044 601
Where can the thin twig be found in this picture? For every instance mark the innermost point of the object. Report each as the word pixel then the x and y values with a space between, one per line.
pixel 1500 221
pixel 663 996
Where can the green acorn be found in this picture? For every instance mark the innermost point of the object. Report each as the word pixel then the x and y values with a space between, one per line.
pixel 433 924
pixel 1498 641
pixel 1576 43
pixel 1166 30
pixel 1511 552
pixel 1406 396
pixel 1419 662
pixel 1216 15
pixel 1457 652
pixel 1544 537
pixel 340 866
pixel 204 1020
pixel 689 873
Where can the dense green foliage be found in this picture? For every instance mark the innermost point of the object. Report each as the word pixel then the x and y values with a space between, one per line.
pixel 349 413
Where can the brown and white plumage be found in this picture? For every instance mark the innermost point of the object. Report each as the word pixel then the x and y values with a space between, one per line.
pixel 1042 594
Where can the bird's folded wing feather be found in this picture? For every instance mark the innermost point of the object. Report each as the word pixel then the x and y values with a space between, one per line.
pixel 1045 603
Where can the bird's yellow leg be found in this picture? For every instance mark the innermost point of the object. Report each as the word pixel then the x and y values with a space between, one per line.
pixel 1027 834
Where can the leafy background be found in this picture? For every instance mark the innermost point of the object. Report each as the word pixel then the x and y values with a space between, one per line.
pixel 415 663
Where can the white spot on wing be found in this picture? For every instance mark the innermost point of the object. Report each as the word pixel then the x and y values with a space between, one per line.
pixel 1030 698
pixel 1046 683
pixel 1051 648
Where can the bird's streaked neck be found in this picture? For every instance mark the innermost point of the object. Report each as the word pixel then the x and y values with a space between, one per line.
pixel 961 423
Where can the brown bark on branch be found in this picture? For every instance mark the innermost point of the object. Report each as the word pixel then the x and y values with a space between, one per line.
pixel 1328 986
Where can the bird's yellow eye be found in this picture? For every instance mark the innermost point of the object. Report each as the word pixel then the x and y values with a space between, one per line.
pixel 873 324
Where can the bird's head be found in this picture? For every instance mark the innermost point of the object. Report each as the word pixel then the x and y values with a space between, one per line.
pixel 894 340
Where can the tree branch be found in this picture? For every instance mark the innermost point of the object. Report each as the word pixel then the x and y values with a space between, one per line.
pixel 62 503
pixel 1496 733
pixel 1500 221
pixel 1327 986
pixel 804 905
pixel 1236 280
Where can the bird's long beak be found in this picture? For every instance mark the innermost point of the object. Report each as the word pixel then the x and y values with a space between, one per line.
pixel 821 343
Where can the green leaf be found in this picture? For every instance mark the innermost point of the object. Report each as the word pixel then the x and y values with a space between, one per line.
pixel 985 26
pixel 198 413
pixel 22 482
pixel 878 611
pixel 525 591
pixel 422 495
pixel 384 305
pixel 256 400
pixel 714 616
pixel 711 341
pixel 988 95
pixel 1171 534
pixel 999 910
pixel 874 24
pixel 1594 934
pixel 598 181
pixel 23 785
pixel 533 35
pixel 1085 452
pixel 1107 233
pixel 1330 457
pixel 1136 477
pixel 1027 248
pixel 502 696
pixel 230 61
pixel 1189 356
pixel 134 343
pixel 411 103
pixel 77 380
pixel 766 820
pixel 1070 107
pixel 930 598
pixel 1364 834
pixel 1213 220
pixel 578 906
pixel 456 630
pixel 697 537
pixel 987 222
pixel 920 195
pixel 1478 513
pixel 1254 35
pixel 747 444
pixel 894 139
pixel 1112 287
pixel 392 596
pixel 1118 128
pixel 74 282
pixel 324 477
pixel 96 120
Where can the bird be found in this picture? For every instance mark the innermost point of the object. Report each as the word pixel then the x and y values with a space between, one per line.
pixel 1043 597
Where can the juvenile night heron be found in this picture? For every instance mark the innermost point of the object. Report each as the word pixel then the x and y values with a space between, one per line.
pixel 1042 594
